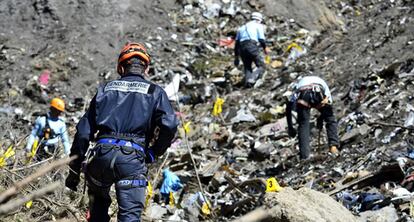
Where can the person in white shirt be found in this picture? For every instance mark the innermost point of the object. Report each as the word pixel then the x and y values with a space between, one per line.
pixel 312 92
pixel 248 37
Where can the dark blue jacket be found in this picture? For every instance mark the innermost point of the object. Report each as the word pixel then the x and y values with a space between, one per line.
pixel 129 107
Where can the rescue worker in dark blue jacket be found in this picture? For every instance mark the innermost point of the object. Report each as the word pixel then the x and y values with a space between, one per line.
pixel 133 120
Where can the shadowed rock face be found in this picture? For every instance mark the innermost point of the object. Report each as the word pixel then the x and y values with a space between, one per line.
pixel 312 15
pixel 91 32
pixel 77 41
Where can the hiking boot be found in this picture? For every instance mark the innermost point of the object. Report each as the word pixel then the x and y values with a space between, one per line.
pixel 334 150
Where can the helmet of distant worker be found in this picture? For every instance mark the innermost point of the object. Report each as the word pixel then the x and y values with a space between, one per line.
pixel 257 16
pixel 57 104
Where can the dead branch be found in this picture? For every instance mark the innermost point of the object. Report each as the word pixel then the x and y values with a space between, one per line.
pixel 32 165
pixel 235 186
pixel 391 125
pixel 69 208
pixel 4 209
pixel 155 181
pixel 9 193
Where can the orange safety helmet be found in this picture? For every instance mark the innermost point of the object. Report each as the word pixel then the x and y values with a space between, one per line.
pixel 131 50
pixel 58 104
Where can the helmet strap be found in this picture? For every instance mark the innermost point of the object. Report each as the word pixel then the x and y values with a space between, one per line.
pixel 121 70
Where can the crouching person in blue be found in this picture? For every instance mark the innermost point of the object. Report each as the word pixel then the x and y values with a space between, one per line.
pixel 47 130
pixel 312 92
pixel 124 115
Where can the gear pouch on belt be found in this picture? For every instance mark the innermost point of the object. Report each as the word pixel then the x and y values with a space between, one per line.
pixel 46 133
pixel 312 96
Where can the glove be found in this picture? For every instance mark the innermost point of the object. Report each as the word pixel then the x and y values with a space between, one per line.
pixel 325 100
pixel 319 122
pixel 72 181
pixel 292 132
pixel 149 156
pixel 236 62
pixel 171 183
pixel 266 50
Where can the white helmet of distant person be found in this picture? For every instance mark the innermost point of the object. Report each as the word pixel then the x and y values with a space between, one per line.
pixel 257 16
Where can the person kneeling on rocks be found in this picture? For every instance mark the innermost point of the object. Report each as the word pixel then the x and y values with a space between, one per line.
pixel 312 92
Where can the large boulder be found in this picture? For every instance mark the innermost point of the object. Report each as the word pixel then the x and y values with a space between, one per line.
pixel 303 205
pixel 386 214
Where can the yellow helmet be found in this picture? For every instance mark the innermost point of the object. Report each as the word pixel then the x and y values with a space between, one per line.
pixel 58 104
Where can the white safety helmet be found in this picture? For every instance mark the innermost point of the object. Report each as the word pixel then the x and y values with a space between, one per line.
pixel 257 16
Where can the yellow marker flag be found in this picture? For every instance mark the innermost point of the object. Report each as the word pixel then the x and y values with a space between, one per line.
pixel 205 209
pixel 172 200
pixel 34 147
pixel 33 152
pixel 150 192
pixel 218 106
pixel 267 59
pixel 272 185
pixel 294 45
pixel 187 127
pixel 29 204
pixel 9 153
pixel 412 208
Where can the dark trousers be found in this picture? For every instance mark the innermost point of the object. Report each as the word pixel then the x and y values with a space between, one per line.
pixel 44 152
pixel 249 53
pixel 304 128
pixel 109 166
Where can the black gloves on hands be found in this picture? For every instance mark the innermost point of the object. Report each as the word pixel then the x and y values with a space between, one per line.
pixel 72 181
pixel 292 132
pixel 236 61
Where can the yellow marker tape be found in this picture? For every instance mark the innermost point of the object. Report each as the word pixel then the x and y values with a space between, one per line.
pixel 150 192
pixel 218 106
pixel 187 127
pixel 29 204
pixel 9 153
pixel 272 185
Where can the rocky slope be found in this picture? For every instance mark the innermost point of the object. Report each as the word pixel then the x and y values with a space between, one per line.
pixel 78 42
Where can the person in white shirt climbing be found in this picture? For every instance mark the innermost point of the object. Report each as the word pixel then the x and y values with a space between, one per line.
pixel 248 38
pixel 312 92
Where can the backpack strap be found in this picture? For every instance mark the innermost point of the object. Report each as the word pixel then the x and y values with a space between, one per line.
pixel 53 134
